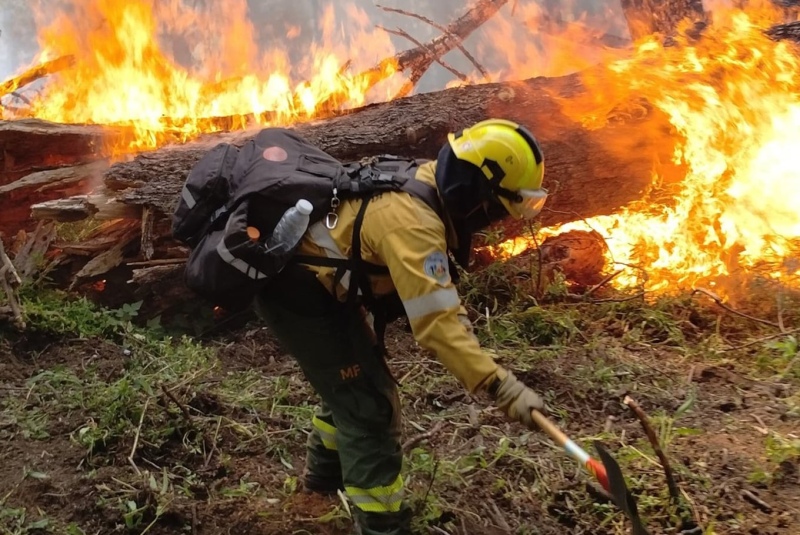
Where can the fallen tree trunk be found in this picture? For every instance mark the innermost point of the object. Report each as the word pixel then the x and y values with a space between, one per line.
pixel 589 172
pixel 33 145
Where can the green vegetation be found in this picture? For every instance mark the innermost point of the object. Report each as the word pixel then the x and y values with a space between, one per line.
pixel 156 428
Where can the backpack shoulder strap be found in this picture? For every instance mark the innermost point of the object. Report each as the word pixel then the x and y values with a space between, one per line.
pixel 424 192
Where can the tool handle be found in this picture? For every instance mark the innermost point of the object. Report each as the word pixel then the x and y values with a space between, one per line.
pixel 572 449
pixel 550 428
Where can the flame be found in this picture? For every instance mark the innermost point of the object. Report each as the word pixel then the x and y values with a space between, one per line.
pixel 124 76
pixel 734 98
pixel 539 40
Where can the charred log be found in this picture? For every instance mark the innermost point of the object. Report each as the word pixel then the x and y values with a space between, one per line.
pixel 614 163
pixel 31 145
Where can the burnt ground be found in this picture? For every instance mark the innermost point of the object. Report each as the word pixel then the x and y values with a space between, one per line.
pixel 142 436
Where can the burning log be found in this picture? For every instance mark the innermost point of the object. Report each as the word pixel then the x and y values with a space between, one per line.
pixel 577 258
pixel 589 172
pixel 648 17
pixel 40 160
pixel 614 163
pixel 31 145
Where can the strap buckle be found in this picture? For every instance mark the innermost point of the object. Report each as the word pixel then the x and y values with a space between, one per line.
pixel 332 218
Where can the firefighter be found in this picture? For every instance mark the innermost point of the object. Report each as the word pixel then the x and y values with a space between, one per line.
pixel 489 171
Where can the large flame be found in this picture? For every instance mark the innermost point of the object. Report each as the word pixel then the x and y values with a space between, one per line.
pixel 734 97
pixel 124 76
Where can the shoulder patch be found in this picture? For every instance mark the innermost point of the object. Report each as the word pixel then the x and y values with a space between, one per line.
pixel 436 267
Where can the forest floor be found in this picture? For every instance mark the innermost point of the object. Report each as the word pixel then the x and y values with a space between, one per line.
pixel 112 426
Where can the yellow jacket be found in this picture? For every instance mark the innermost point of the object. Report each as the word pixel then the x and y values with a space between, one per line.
pixel 402 233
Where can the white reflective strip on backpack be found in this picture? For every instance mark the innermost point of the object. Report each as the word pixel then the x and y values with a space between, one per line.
pixel 238 263
pixel 187 197
pixel 322 238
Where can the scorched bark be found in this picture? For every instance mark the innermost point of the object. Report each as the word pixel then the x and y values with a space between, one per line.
pixel 589 172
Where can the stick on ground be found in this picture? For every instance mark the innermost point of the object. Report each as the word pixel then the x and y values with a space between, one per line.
pixel 413 441
pixel 8 271
pixel 718 300
pixel 651 435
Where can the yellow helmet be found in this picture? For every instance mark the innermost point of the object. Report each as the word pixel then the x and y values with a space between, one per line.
pixel 510 158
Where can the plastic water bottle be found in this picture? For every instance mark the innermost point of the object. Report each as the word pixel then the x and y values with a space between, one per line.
pixel 291 227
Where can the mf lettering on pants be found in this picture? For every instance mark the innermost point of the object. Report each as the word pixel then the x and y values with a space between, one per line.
pixel 350 372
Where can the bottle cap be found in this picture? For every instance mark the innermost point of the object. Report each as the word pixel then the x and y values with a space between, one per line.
pixel 304 207
pixel 253 233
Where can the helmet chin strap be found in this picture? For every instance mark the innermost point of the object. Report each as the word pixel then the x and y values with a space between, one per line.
pixel 495 175
pixel 469 199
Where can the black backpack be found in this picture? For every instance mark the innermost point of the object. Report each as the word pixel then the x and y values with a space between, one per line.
pixel 230 189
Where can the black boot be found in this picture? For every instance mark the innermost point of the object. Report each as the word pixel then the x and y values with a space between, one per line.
pixel 322 485
pixel 383 523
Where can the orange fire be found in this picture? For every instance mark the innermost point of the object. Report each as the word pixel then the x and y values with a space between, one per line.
pixel 124 76
pixel 734 97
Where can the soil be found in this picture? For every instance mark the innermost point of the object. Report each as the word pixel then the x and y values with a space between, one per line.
pixel 716 448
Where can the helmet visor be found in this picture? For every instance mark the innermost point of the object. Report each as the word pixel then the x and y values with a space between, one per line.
pixel 532 202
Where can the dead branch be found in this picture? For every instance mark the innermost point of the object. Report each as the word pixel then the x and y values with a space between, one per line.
pixel 718 300
pixel 421 58
pixel 606 280
pixel 34 73
pixel 404 34
pixel 136 437
pixel 180 405
pixel 9 287
pixel 755 500
pixel 651 436
pixel 444 30
pixel 416 439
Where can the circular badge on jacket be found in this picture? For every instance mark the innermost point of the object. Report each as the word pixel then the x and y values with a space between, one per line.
pixel 275 154
pixel 436 267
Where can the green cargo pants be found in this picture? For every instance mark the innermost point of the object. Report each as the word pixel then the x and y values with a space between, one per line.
pixel 355 435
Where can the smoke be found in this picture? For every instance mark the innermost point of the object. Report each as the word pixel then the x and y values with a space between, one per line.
pixel 531 39
pixel 17 36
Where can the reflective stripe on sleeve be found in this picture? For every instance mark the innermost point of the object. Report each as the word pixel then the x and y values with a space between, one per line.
pixel 386 499
pixel 326 432
pixel 433 302
pixel 187 197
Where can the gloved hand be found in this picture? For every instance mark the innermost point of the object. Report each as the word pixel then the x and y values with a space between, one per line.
pixel 517 400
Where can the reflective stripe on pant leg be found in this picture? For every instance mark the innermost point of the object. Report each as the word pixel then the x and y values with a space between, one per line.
pixel 326 432
pixel 387 499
